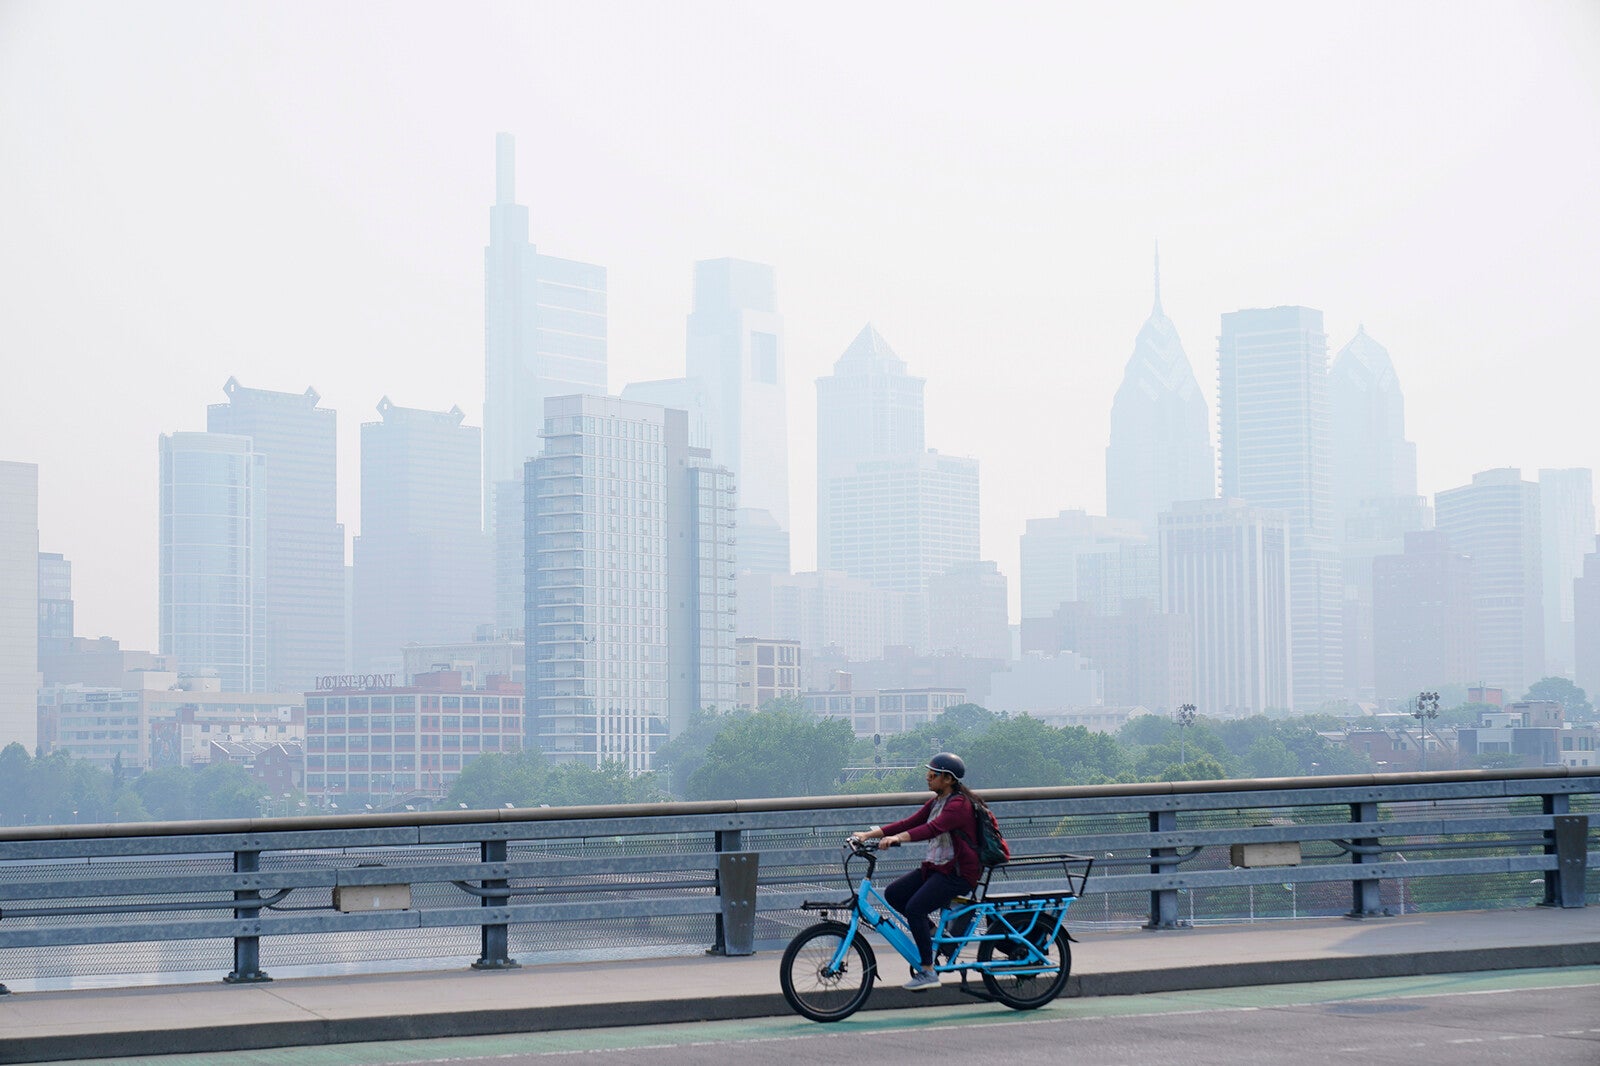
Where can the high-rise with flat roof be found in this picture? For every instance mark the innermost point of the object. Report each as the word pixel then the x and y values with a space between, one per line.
pixel 423 566
pixel 1052 548
pixel 898 523
pixel 303 539
pixel 1495 520
pixel 1274 420
pixel 544 335
pixel 967 612
pixel 55 603
pixel 1566 522
pixel 213 559
pixel 630 589
pixel 1225 565
pixel 1160 450
pixel 1424 636
pixel 1586 625
pixel 19 604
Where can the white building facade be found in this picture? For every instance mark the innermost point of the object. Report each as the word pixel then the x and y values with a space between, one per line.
pixel 624 566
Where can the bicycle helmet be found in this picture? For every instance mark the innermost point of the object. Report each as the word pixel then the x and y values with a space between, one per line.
pixel 946 763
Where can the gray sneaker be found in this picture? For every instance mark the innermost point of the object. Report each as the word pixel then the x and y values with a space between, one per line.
pixel 921 981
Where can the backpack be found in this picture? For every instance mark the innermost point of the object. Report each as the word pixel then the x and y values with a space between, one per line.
pixel 991 845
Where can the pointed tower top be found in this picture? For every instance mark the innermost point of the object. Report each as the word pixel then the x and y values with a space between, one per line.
pixel 1157 309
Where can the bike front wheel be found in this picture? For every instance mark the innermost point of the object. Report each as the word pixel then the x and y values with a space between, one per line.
pixel 810 983
pixel 1038 984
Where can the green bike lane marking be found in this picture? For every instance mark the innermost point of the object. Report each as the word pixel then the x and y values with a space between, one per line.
pixel 573 1041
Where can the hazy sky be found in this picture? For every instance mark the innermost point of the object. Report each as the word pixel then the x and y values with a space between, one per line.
pixel 297 195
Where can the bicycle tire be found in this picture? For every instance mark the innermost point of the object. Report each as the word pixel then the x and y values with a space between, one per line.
pixel 820 996
pixel 1027 991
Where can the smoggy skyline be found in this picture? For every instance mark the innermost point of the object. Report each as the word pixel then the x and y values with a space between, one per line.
pixel 297 196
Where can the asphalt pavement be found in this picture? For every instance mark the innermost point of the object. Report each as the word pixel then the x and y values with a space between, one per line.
pixel 90 1023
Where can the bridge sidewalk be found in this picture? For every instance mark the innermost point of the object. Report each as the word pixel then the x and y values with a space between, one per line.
pixel 52 1026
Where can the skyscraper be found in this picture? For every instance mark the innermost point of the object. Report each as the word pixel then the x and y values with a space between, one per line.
pixel 304 542
pixel 869 408
pixel 55 603
pixel 1160 450
pixel 1586 626
pixel 735 346
pixel 1274 416
pixel 1424 635
pixel 1374 489
pixel 1371 456
pixel 1225 565
pixel 629 613
pixel 544 335
pixel 1566 522
pixel 1495 520
pixel 19 604
pixel 967 612
pixel 213 559
pixel 423 566
pixel 1052 547
pixel 900 522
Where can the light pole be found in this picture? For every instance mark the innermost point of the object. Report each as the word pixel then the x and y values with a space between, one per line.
pixel 1427 710
pixel 1185 720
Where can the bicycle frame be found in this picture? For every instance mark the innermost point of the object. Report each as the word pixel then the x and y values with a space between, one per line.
pixel 1014 923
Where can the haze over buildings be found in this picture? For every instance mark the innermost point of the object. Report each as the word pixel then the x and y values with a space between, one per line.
pixel 985 194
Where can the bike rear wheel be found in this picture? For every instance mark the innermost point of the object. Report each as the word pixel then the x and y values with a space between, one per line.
pixel 808 984
pixel 1028 990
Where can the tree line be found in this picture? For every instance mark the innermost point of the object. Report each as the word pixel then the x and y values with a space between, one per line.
pixel 784 750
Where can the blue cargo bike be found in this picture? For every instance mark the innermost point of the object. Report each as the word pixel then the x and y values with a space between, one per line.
pixel 1018 940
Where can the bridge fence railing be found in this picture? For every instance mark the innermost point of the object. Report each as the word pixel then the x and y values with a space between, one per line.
pixel 150 901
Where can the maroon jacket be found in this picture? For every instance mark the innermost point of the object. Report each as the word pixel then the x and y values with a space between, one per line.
pixel 960 821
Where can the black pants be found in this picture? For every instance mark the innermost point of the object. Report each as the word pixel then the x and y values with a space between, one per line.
pixel 916 895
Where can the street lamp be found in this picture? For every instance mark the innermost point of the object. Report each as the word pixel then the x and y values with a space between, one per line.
pixel 1185 720
pixel 1427 710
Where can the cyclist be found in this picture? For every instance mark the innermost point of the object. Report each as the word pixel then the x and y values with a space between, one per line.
pixel 948 822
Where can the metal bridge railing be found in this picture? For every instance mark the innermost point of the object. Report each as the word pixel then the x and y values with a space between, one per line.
pixel 731 874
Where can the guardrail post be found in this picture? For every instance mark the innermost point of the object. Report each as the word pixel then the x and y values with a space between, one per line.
pixel 246 949
pixel 495 952
pixel 1163 901
pixel 1568 841
pixel 736 891
pixel 1364 897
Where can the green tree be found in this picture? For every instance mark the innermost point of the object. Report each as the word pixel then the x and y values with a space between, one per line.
pixel 1574 701
pixel 491 781
pixel 1200 767
pixel 167 794
pixel 773 753
pixel 1269 756
pixel 685 753
pixel 574 785
pixel 16 769
pixel 224 790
